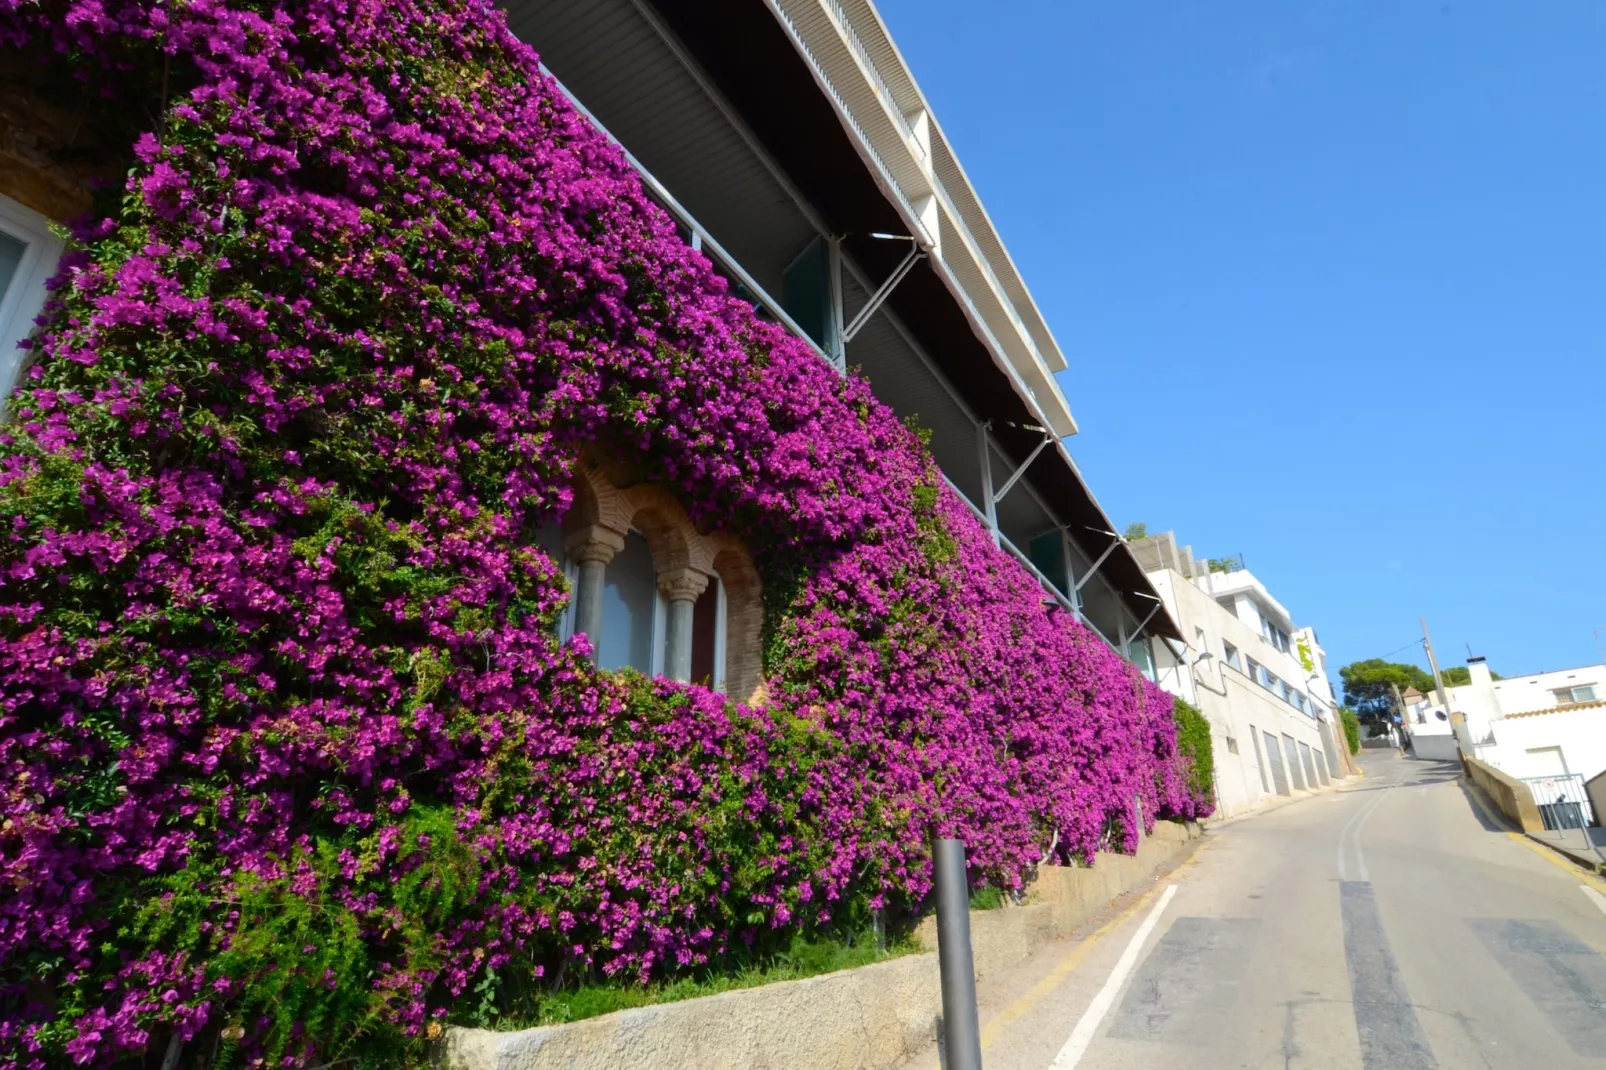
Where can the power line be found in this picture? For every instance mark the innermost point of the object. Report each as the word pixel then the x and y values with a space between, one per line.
pixel 1407 646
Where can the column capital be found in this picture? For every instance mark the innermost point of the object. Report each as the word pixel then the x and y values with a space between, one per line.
pixel 682 584
pixel 594 542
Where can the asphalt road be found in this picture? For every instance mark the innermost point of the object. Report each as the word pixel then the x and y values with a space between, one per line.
pixel 1390 926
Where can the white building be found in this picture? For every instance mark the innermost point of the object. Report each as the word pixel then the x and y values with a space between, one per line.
pixel 1260 679
pixel 1428 725
pixel 1548 728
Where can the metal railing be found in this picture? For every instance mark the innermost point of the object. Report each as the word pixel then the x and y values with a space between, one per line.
pixel 1562 800
pixel 727 264
pixel 702 240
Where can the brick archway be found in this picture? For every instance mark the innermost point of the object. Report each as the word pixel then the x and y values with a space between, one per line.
pixel 685 559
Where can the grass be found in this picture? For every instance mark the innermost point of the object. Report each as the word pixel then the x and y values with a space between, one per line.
pixel 986 897
pixel 803 958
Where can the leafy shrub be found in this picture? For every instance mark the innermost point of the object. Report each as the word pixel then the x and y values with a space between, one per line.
pixel 1352 729
pixel 292 761
pixel 1198 751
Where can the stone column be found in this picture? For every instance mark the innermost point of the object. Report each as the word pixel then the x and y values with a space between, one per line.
pixel 592 547
pixel 681 588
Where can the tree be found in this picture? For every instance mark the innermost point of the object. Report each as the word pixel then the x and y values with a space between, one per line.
pixel 1460 675
pixel 1137 531
pixel 1367 690
pixel 1366 684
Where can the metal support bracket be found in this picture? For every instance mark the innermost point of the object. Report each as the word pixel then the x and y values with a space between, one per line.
pixel 1008 486
pixel 1146 620
pixel 1108 550
pixel 880 296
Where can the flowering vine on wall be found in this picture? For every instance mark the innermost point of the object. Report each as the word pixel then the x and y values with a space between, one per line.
pixel 290 755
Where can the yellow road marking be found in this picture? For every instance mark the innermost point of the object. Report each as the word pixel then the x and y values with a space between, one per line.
pixel 1023 1005
pixel 1560 861
pixel 1555 858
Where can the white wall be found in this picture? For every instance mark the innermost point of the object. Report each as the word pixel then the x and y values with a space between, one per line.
pixel 1579 734
pixel 24 295
pixel 1506 722
pixel 1228 698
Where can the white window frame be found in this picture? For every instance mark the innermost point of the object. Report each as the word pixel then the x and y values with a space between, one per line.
pixel 25 297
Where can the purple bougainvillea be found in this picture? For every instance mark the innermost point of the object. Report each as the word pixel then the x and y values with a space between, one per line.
pixel 291 758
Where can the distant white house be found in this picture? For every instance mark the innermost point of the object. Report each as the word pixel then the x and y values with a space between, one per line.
pixel 1548 728
pixel 1259 679
pixel 1428 725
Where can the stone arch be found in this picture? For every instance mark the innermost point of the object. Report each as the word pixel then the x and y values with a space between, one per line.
pixel 596 501
pixel 685 560
pixel 674 541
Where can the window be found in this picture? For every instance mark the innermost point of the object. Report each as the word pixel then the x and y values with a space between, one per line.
pixel 550 539
pixel 1139 654
pixel 1273 634
pixel 806 293
pixel 630 610
pixel 1256 673
pixel 1232 656
pixel 1297 697
pixel 29 254
pixel 1567 696
pixel 708 637
pixel 654 594
pixel 1047 554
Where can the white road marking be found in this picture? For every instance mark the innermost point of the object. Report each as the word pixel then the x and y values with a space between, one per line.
pixel 1598 899
pixel 1352 832
pixel 1082 1035
pixel 1360 859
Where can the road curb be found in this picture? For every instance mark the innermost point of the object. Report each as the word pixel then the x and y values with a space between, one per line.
pixel 1583 869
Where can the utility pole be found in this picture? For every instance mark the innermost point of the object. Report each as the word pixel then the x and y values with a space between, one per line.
pixel 1433 663
pixel 1399 708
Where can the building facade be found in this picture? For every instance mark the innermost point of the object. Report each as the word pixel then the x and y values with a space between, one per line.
pixel 1547 729
pixel 1258 677
pixel 793 147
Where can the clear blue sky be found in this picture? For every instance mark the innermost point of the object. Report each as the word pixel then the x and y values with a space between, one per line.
pixel 1331 279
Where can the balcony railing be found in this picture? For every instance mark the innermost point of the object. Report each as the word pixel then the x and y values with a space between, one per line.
pixel 701 239
pixel 727 264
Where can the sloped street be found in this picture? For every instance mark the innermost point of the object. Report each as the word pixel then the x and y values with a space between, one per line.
pixel 1392 925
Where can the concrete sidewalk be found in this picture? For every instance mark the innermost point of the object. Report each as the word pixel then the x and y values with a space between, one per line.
pixel 1587 846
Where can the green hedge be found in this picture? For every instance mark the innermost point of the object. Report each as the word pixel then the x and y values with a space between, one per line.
pixel 1352 730
pixel 1193 740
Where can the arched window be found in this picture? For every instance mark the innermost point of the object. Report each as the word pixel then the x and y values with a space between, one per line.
pixel 654 594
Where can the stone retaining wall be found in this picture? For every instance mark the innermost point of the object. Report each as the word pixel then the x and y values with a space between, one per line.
pixel 874 1016
pixel 1512 796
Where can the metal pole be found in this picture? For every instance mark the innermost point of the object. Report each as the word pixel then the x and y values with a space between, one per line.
pixel 961 1026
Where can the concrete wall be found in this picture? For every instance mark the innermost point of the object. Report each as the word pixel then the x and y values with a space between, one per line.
pixel 875 1016
pixel 1510 795
pixel 1229 699
pixel 1597 797
pixel 1439 747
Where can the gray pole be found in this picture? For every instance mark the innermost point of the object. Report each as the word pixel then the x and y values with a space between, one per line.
pixel 961 1029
